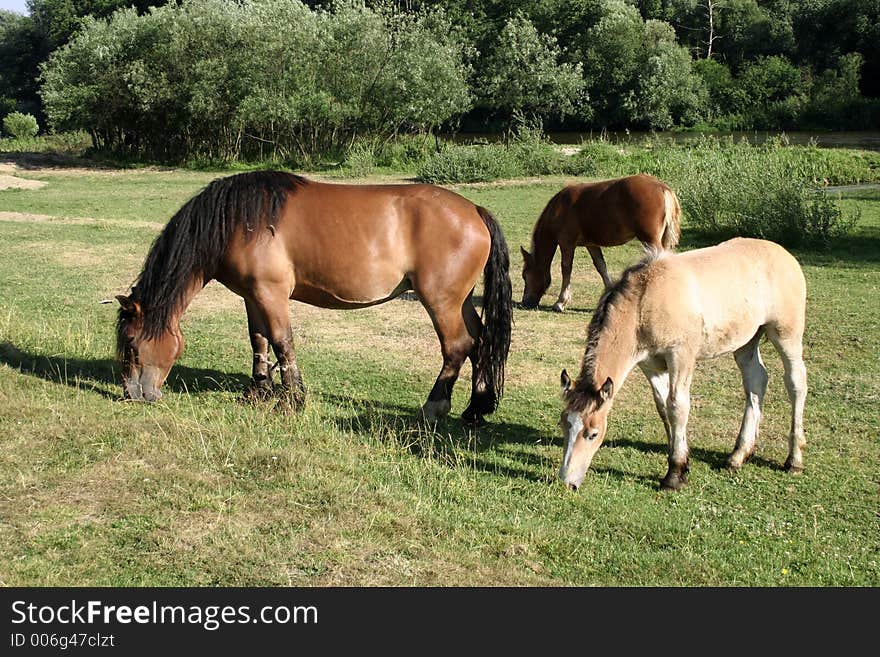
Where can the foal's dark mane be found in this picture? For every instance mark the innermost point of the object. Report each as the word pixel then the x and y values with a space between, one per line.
pixel 585 389
pixel 195 239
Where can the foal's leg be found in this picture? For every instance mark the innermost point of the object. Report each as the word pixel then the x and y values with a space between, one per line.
pixel 790 348
pixel 482 398
pixel 261 378
pixel 273 305
pixel 567 253
pixel 678 406
pixel 754 379
pixel 599 263
pixel 456 344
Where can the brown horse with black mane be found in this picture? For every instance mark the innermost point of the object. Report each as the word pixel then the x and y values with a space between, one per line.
pixel 605 213
pixel 271 236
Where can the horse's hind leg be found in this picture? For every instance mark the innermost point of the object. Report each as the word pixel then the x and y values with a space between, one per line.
pixel 754 379
pixel 483 398
pixel 658 377
pixel 567 256
pixel 599 264
pixel 789 344
pixel 261 378
pixel 456 344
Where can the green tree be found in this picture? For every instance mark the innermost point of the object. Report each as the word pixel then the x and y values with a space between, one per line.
pixel 523 72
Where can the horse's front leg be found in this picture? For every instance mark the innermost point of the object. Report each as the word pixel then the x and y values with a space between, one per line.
pixel 567 253
pixel 272 306
pixel 260 388
pixel 678 406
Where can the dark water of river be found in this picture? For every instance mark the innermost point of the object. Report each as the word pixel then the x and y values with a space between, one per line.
pixel 866 140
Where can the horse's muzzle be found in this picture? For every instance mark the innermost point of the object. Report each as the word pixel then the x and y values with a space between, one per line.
pixel 529 303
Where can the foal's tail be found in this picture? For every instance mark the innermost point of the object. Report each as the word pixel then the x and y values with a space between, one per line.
pixel 671 221
pixel 497 312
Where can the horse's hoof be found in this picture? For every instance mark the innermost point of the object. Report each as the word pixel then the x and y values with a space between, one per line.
pixel 258 393
pixel 290 401
pixel 473 421
pixel 557 308
pixel 434 410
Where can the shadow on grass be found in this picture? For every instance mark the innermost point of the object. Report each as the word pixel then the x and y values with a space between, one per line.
pixel 102 375
pixel 448 436
pixel 715 459
pixel 36 160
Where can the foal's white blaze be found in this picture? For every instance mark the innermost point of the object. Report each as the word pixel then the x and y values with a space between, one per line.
pixel 576 426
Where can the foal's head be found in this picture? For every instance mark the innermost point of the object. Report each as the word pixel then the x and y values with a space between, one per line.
pixel 536 280
pixel 583 423
pixel 145 359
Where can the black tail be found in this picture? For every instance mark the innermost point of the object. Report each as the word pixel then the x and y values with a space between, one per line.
pixel 195 239
pixel 497 312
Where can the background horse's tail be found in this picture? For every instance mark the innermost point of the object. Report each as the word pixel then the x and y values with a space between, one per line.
pixel 195 239
pixel 497 311
pixel 672 220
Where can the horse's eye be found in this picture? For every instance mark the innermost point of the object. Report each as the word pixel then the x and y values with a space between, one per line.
pixel 593 434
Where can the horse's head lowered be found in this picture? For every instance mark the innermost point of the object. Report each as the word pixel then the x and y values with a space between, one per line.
pixel 145 360
pixel 536 280
pixel 583 423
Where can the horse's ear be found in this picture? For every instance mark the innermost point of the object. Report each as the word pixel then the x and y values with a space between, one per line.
pixel 527 257
pixel 606 390
pixel 128 305
pixel 564 382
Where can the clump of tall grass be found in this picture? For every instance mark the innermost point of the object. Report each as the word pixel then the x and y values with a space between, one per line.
pixel 471 163
pixel 759 192
pixel 727 188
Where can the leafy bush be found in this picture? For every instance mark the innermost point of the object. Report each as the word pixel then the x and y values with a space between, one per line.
pixel 526 153
pixel 21 126
pixel 534 154
pixel 474 163
pixel 406 152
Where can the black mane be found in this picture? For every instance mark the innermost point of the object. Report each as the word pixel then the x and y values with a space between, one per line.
pixel 585 389
pixel 196 237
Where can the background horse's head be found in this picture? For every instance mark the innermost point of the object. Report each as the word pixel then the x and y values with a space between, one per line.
pixel 583 423
pixel 145 359
pixel 536 280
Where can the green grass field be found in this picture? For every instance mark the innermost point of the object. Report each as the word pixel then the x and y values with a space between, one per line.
pixel 201 489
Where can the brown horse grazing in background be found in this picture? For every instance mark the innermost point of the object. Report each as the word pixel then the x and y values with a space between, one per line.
pixel 270 236
pixel 672 310
pixel 606 213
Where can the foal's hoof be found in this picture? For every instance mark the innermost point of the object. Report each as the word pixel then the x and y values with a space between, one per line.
pixel 735 462
pixel 673 481
pixel 558 308
pixel 793 468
